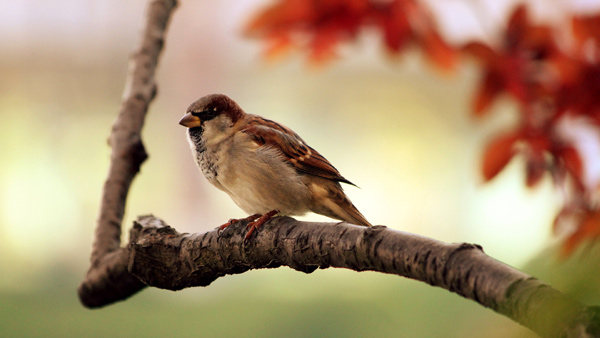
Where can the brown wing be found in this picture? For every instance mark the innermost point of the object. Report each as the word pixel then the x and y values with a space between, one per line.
pixel 301 156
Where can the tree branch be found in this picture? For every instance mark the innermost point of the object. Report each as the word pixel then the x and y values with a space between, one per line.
pixel 127 156
pixel 161 257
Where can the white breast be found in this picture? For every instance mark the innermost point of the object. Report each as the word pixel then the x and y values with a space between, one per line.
pixel 258 179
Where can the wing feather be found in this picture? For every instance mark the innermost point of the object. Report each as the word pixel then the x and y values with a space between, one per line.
pixel 300 155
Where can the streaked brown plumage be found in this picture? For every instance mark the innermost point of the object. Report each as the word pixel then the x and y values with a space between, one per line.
pixel 265 167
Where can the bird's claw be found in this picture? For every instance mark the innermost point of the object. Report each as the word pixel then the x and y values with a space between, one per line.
pixel 258 222
pixel 250 218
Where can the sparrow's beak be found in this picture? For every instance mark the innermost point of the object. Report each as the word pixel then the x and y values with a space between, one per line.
pixel 190 121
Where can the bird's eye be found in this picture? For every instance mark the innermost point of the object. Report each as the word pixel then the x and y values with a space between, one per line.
pixel 210 113
pixel 207 114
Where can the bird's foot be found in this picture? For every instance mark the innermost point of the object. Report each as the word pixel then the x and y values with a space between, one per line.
pixel 235 220
pixel 257 222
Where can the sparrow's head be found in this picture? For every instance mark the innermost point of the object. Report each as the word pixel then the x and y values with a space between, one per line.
pixel 216 109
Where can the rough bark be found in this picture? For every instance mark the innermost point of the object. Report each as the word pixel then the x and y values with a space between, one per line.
pixel 127 156
pixel 161 257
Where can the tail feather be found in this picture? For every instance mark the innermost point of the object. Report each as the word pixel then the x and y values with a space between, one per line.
pixel 331 201
pixel 355 217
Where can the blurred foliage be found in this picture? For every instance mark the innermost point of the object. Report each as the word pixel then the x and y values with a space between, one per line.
pixel 399 131
pixel 550 71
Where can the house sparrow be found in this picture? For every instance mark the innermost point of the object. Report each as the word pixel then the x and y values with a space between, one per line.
pixel 265 167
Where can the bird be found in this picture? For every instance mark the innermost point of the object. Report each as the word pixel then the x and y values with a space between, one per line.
pixel 265 167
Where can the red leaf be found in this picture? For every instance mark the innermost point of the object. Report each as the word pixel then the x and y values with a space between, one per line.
pixel 395 26
pixel 491 86
pixel 536 164
pixel 572 161
pixel 282 14
pixel 568 69
pixel 588 228
pixel 481 52
pixel 438 51
pixel 579 27
pixel 586 28
pixel 565 215
pixel 517 26
pixel 323 45
pixel 497 154
pixel 534 170
pixel 278 45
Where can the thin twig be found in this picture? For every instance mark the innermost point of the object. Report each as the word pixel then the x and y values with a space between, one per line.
pixel 127 154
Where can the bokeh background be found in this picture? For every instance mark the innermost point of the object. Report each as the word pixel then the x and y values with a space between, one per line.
pixel 394 126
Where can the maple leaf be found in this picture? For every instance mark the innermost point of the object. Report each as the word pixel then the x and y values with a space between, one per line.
pixel 586 29
pixel 514 67
pixel 321 26
pixel 394 23
pixel 498 153
pixel 579 96
pixel 571 163
pixel 588 227
pixel 437 51
pixel 317 25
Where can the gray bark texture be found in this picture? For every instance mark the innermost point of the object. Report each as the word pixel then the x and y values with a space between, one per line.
pixel 159 256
